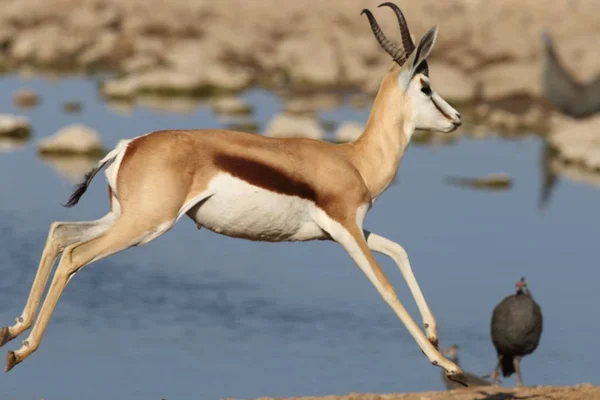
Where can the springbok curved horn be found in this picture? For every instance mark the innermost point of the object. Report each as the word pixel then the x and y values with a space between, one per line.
pixel 407 42
pixel 397 54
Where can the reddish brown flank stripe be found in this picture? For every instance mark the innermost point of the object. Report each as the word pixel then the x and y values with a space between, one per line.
pixel 264 176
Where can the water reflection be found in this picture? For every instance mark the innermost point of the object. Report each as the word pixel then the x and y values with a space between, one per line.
pixel 11 144
pixel 72 167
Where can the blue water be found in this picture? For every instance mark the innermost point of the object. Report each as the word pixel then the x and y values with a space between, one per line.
pixel 195 315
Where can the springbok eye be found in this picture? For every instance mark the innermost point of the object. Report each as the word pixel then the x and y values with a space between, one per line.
pixel 426 90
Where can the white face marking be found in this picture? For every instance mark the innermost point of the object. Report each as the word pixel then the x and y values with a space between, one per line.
pixel 236 208
pixel 429 111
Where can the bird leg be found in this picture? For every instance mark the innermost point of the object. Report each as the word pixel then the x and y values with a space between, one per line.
pixel 517 365
pixel 495 373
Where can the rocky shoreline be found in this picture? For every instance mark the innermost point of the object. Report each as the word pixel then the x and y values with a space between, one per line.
pixel 486 50
pixel 488 59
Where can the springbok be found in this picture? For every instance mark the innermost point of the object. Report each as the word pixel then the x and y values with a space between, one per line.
pixel 258 188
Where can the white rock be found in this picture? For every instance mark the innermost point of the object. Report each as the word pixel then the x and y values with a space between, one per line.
pixel 72 139
pixel 348 132
pixel 14 126
pixel 577 141
pixel 285 125
pixel 230 105
pixel 156 80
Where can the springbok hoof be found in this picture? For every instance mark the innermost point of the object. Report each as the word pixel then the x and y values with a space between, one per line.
pixel 4 336
pixel 11 361
pixel 459 378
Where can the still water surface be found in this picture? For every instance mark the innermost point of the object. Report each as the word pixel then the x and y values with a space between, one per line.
pixel 195 315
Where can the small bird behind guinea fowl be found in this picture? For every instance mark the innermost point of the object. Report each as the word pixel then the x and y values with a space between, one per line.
pixel 516 331
pixel 451 353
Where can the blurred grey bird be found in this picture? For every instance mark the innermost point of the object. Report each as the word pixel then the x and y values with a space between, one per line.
pixel 575 99
pixel 451 353
pixel 516 330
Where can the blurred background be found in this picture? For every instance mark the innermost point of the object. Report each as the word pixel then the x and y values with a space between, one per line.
pixel 197 315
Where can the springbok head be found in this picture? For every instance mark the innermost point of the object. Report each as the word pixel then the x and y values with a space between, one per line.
pixel 429 111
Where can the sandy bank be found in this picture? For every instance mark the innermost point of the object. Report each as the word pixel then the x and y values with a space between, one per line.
pixel 578 392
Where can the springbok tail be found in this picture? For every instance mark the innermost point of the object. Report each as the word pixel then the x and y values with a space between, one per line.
pixel 82 187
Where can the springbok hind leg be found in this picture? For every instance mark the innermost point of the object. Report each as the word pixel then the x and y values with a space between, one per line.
pixel 61 234
pixel 122 235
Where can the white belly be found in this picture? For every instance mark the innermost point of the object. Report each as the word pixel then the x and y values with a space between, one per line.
pixel 239 209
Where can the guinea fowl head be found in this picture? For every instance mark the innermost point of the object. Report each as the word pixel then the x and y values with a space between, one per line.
pixel 521 286
pixel 451 353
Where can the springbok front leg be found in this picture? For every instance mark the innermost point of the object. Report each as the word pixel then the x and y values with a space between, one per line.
pixel 351 238
pixel 398 254
pixel 122 235
pixel 61 234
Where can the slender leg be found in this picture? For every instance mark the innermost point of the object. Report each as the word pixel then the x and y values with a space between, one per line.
pixel 61 234
pixel 351 238
pixel 398 254
pixel 120 236
pixel 495 375
pixel 517 365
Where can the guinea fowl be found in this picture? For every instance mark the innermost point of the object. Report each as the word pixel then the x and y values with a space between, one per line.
pixel 451 353
pixel 516 331
pixel 572 98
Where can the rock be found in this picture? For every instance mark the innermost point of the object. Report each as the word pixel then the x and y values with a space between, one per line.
pixel 451 83
pixel 224 79
pixel 499 181
pixel 577 141
pixel 230 105
pixel 139 63
pixel 286 125
pixel 75 139
pixel 72 106
pixel 48 45
pixel 26 98
pixel 309 61
pixel 157 81
pixel 108 48
pixel 14 127
pixel 169 82
pixel 503 80
pixel 348 132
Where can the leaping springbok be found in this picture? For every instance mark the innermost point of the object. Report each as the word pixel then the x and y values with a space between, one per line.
pixel 258 188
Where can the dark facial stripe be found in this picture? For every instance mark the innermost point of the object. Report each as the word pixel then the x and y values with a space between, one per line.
pixel 264 176
pixel 440 110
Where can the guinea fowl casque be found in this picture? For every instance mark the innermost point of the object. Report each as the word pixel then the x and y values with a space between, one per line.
pixel 451 353
pixel 516 331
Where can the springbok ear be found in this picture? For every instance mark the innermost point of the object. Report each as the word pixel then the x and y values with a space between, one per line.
pixel 424 48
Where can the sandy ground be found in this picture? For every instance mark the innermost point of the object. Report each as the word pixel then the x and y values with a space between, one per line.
pixel 577 392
